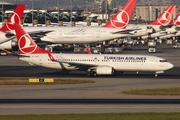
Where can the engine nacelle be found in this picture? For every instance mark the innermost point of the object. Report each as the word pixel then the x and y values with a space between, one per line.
pixel 177 28
pixel 104 70
pixel 163 28
pixel 8 45
pixel 6 37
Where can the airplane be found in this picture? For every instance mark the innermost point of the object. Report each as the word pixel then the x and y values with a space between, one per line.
pixel 174 31
pixel 94 64
pixel 162 23
pixel 167 31
pixel 87 34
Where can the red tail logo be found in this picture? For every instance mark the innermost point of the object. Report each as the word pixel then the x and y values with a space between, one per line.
pixel 121 19
pixel 25 42
pixel 26 46
pixel 176 21
pixel 15 17
pixel 165 19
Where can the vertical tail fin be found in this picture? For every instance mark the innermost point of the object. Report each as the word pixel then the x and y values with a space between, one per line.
pixel 121 18
pixel 176 21
pixel 15 17
pixel 26 43
pixel 165 17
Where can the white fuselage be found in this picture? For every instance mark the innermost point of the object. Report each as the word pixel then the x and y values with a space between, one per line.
pixel 77 35
pixel 117 62
pixel 84 34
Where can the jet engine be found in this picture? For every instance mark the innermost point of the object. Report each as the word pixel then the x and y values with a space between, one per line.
pixel 163 28
pixel 6 36
pixel 104 70
pixel 177 28
pixel 8 45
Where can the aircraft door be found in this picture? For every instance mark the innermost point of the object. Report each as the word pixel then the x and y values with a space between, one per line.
pixel 40 60
pixel 98 34
pixel 152 63
pixel 60 34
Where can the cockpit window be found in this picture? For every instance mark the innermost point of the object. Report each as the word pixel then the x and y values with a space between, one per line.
pixel 163 60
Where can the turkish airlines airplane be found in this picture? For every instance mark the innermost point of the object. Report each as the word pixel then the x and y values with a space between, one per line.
pixel 94 64
pixel 88 34
pixel 168 31
pixel 174 31
pixel 160 24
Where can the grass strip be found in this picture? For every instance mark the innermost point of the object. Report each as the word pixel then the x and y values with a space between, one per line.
pixel 157 91
pixel 106 116
pixel 25 81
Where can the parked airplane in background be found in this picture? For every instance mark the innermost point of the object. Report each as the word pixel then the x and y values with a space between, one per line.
pixel 85 35
pixel 94 64
pixel 161 23
pixel 174 31
pixel 168 31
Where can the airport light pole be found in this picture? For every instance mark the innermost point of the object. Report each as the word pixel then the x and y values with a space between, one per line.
pixel 58 10
pixel 2 12
pixel 45 12
pixel 106 10
pixel 32 12
pixel 87 8
pixel 71 11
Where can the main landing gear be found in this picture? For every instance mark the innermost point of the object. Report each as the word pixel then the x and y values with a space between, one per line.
pixel 91 73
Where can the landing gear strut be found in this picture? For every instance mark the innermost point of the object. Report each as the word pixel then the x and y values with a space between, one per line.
pixel 91 73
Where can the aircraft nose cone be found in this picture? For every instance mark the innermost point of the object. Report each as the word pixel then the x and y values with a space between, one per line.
pixel 170 65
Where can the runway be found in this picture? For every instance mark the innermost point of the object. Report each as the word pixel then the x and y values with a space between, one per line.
pixel 105 95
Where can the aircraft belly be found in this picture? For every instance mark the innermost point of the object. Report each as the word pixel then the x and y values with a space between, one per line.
pixel 131 66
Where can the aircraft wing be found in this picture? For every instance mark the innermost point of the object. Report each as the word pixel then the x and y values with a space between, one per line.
pixel 127 31
pixel 38 34
pixel 78 65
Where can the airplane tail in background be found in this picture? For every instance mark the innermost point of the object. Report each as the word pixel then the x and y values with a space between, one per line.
pixel 165 17
pixel 122 17
pixel 176 21
pixel 26 43
pixel 15 17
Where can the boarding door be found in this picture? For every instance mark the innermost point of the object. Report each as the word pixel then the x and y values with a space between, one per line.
pixel 40 60
pixel 153 62
pixel 98 34
pixel 60 34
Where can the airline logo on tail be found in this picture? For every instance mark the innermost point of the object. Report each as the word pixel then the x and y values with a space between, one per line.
pixel 15 17
pixel 165 19
pixel 177 21
pixel 26 46
pixel 121 19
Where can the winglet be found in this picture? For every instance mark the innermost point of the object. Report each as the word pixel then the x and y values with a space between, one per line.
pixel 15 17
pixel 165 17
pixel 51 57
pixel 122 17
pixel 88 50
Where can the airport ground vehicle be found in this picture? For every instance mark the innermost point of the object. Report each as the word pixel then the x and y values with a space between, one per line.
pixel 151 46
